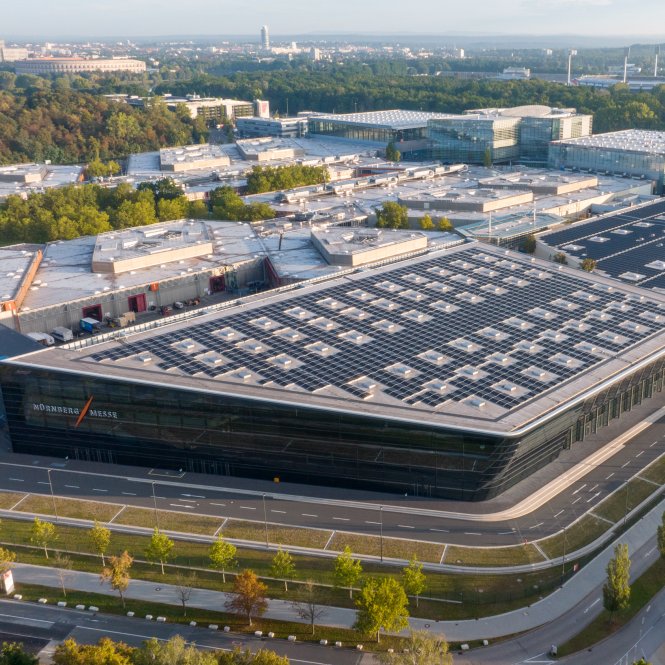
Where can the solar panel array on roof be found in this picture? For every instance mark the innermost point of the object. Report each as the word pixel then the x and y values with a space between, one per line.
pixel 629 245
pixel 370 338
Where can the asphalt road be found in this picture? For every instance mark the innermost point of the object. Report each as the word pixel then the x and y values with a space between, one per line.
pixel 533 647
pixel 402 517
pixel 48 623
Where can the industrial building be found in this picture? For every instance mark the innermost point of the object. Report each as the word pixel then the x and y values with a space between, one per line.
pixel 24 179
pixel 214 109
pixel 628 245
pixel 434 376
pixel 78 65
pixel 283 128
pixel 193 158
pixel 632 152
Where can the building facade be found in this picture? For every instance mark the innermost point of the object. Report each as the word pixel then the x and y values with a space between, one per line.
pixel 78 65
pixel 284 128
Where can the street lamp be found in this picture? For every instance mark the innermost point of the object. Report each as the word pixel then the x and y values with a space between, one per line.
pixel 563 560
pixel 50 484
pixel 381 528
pixel 154 503
pixel 265 519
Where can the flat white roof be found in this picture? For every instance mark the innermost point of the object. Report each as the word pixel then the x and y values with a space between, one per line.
pixel 628 140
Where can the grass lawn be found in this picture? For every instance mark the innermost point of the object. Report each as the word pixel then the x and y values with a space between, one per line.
pixel 83 510
pixel 394 548
pixel 642 591
pixel 278 535
pixel 9 499
pixel 656 472
pixel 624 500
pixel 581 533
pixel 447 596
pixel 492 556
pixel 169 520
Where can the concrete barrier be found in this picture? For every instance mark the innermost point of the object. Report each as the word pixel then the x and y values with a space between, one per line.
pixel 192 623
pixel 213 626
pixel 148 617
pixel 338 645
pixel 18 596
pixel 323 643
pixel 80 607
pixel 161 619
pixel 227 629
pixel 92 608
pixel 62 603
pixel 291 638
pixel 130 614
pixel 42 601
pixel 271 635
pixel 258 633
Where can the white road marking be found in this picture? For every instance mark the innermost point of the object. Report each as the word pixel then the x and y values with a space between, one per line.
pixel 505 533
pixel 535 526
pixel 579 489
pixel 653 444
pixel 649 553
pixel 441 530
pixel 308 515
pixel 342 519
pixel 17 480
pixel 406 526
pixel 638 454
pixel 593 488
pixel 611 474
pixel 595 602
pixel 188 500
pixel 129 493
pixel 368 522
pixel 247 507
pixel 559 513
pixel 73 487
pixel 597 494
pixel 194 496
pixel 283 512
pixel 223 505
pixel 576 500
pixel 472 533
pixel 94 489
pixel 626 464
pixel 43 482
pixel 181 505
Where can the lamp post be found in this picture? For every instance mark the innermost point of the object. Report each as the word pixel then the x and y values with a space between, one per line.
pixel 563 560
pixel 265 518
pixel 154 504
pixel 50 484
pixel 381 528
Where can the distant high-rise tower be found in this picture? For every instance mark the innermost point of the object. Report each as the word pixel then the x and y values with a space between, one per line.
pixel 265 38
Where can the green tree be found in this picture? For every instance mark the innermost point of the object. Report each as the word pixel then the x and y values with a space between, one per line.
pixel 414 579
pixel 641 661
pixel 105 652
pixel 222 556
pixel 166 188
pixel 445 225
pixel 43 534
pixel 529 244
pixel 382 604
pixel 100 539
pixel 117 573
pixel 392 215
pixel 133 213
pixel 160 548
pixel 283 567
pixel 560 257
pixel 175 651
pixel 421 648
pixel 246 657
pixel 7 558
pixel 168 209
pixel 12 653
pixel 588 265
pixel 392 153
pixel 198 210
pixel 307 604
pixel 661 537
pixel 426 223
pixel 249 596
pixel 616 590
pixel 347 570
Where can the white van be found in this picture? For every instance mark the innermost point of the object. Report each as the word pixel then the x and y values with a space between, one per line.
pixel 62 334
pixel 42 338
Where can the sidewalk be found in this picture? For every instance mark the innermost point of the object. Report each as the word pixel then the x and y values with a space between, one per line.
pixel 553 606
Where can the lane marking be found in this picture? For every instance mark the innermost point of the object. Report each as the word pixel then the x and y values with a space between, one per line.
pixel 595 602
pixel 626 464
pixel 73 487
pixel 597 494
pixel 342 519
pixel 95 489
pixel 308 515
pixel 638 454
pixel 181 505
pixel 611 474
pixel 194 496
pixel 283 512
pixel 559 513
pixel 129 493
pixel 223 505
pixel 17 480
pixel 406 526
pixel 535 526
pixel 472 533
pixel 440 530
pixel 593 488
pixel 579 489
pixel 576 500
pixel 368 522
pixel 43 482
pixel 505 533
pixel 247 507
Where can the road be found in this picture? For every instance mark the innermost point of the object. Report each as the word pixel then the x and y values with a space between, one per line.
pixel 51 623
pixel 402 517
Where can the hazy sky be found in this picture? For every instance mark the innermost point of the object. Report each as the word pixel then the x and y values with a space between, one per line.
pixel 224 17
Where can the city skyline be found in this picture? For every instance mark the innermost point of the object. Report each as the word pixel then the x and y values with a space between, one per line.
pixel 289 17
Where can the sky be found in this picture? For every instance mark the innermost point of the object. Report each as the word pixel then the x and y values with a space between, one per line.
pixel 100 18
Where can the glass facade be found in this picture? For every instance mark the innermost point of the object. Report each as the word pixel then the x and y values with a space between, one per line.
pixel 54 413
pixel 467 139
pixel 364 132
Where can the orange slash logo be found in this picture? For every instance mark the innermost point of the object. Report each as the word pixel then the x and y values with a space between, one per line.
pixel 84 412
